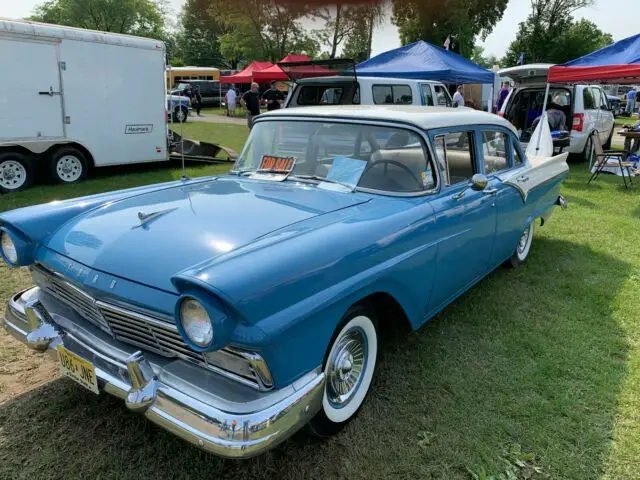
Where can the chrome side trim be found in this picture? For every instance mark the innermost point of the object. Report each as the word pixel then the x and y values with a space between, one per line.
pixel 224 426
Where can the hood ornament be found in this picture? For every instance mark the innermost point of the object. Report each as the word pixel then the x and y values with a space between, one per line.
pixel 146 218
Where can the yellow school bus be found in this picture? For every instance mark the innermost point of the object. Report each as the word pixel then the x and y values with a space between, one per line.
pixel 176 75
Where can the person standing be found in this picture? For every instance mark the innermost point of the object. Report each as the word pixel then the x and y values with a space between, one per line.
pixel 273 97
pixel 251 103
pixel 631 101
pixel 231 102
pixel 502 95
pixel 458 97
pixel 197 97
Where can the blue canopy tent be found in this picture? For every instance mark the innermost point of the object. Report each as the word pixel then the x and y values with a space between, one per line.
pixel 423 61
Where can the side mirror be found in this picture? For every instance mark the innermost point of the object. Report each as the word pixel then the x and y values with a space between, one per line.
pixel 479 182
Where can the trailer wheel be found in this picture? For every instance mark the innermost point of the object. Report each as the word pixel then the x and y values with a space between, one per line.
pixel 68 165
pixel 16 172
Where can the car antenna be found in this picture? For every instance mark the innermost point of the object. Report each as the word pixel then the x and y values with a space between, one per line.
pixel 184 177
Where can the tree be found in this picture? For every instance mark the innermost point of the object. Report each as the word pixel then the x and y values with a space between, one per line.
pixel 478 56
pixel 433 22
pixel 198 38
pixel 145 18
pixel 264 29
pixel 550 34
pixel 358 42
pixel 338 26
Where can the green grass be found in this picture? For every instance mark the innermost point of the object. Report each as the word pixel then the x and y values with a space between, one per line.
pixel 620 121
pixel 535 372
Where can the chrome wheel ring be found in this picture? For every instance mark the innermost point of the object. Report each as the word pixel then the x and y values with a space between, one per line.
pixel 524 244
pixel 69 168
pixel 346 366
pixel 13 175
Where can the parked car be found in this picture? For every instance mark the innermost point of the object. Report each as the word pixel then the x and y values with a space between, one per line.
pixel 585 106
pixel 211 90
pixel 56 132
pixel 233 310
pixel 346 90
pixel 615 105
pixel 179 107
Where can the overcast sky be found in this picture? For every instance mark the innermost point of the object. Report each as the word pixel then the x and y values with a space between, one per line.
pixel 620 18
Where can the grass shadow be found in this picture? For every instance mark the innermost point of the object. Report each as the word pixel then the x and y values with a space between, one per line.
pixel 532 356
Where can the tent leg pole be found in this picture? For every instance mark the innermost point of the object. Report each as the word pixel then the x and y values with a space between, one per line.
pixel 542 117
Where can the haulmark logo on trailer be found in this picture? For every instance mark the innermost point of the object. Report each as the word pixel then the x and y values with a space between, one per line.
pixel 138 129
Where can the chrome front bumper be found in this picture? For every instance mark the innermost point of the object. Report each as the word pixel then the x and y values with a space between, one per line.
pixel 206 409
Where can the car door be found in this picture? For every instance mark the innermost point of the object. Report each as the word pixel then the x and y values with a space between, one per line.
pixel 441 95
pixel 606 119
pixel 465 218
pixel 500 157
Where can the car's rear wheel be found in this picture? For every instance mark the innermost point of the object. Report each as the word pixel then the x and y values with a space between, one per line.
pixel 607 145
pixel 68 165
pixel 349 367
pixel 16 172
pixel 589 150
pixel 523 247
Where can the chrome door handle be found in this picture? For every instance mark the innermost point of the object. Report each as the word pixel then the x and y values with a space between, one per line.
pixel 523 178
pixel 458 196
pixel 490 191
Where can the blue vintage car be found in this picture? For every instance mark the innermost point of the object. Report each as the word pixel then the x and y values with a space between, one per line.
pixel 233 310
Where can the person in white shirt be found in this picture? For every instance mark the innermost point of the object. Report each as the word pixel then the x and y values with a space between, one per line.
pixel 458 97
pixel 231 102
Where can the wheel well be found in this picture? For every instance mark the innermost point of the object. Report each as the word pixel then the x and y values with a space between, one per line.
pixel 51 150
pixel 17 149
pixel 391 315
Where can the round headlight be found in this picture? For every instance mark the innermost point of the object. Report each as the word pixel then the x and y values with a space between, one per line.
pixel 196 322
pixel 9 251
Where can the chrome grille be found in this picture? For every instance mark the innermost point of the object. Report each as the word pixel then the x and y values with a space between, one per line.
pixel 146 332
pixel 73 297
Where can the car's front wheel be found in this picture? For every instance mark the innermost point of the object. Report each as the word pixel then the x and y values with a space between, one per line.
pixel 180 115
pixel 349 367
pixel 523 247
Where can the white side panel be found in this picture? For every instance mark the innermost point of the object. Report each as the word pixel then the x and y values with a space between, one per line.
pixel 538 172
pixel 29 67
pixel 114 97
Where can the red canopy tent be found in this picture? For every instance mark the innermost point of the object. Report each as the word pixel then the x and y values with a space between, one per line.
pixel 617 63
pixel 275 73
pixel 246 75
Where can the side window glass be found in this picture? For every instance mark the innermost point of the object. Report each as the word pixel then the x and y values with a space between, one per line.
pixel 517 158
pixel 455 156
pixel 589 101
pixel 494 149
pixel 442 99
pixel 604 103
pixel 426 94
pixel 392 94
pixel 356 96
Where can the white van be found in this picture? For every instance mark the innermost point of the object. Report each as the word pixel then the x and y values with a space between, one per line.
pixel 346 90
pixel 65 106
pixel 585 106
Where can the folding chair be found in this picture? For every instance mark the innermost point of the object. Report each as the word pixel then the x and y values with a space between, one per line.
pixel 603 157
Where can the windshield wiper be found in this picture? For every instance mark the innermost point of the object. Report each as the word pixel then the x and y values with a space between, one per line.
pixel 241 172
pixel 324 179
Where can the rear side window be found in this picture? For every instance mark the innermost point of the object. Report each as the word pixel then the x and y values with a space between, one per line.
pixel 588 99
pixel 320 95
pixel 494 149
pixel 392 95
pixel 517 158
pixel 455 156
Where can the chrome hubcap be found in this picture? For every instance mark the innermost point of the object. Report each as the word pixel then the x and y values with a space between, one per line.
pixel 69 168
pixel 346 367
pixel 522 244
pixel 12 174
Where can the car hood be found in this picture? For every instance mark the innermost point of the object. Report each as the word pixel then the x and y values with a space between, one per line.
pixel 150 237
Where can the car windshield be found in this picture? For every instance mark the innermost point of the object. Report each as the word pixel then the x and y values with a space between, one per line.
pixel 367 156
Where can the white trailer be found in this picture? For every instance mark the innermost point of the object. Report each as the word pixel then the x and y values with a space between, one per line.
pixel 74 99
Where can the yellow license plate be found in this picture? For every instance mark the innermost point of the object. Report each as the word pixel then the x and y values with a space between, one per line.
pixel 78 369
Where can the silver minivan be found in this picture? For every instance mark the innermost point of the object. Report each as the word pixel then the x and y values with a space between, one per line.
pixel 585 106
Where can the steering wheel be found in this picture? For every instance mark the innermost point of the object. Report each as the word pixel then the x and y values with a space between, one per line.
pixel 402 167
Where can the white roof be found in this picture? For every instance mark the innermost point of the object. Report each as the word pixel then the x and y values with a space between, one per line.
pixel 46 31
pixel 422 117
pixel 383 80
pixel 196 69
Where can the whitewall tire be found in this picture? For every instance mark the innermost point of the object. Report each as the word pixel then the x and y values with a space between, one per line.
pixel 523 247
pixel 349 367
